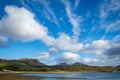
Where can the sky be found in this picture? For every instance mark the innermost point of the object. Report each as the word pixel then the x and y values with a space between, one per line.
pixel 56 31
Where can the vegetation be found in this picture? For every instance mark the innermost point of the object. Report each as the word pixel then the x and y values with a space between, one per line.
pixel 58 68
pixel 7 66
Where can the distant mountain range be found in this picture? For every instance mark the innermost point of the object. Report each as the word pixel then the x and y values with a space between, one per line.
pixel 26 64
pixel 118 66
pixel 73 64
pixel 35 62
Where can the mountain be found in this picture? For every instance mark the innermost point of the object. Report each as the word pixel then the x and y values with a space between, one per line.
pixel 78 64
pixel 62 64
pixel 73 64
pixel 118 66
pixel 31 62
pixel 23 61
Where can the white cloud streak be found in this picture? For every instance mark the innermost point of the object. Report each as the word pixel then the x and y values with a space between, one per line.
pixel 49 13
pixel 114 26
pixel 3 41
pixel 107 9
pixel 76 3
pixel 73 18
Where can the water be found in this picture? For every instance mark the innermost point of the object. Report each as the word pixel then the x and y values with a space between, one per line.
pixel 79 76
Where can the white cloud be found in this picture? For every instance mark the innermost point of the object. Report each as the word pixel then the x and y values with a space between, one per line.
pixel 48 12
pixel 20 24
pixel 69 57
pixel 114 49
pixel 50 41
pixel 105 60
pixel 64 42
pixel 90 61
pixel 97 46
pixel 76 3
pixel 111 55
pixel 46 58
pixel 43 56
pixel 73 18
pixel 114 26
pixel 53 50
pixel 107 9
pixel 109 6
pixel 3 41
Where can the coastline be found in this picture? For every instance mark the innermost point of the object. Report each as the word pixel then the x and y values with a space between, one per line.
pixel 56 72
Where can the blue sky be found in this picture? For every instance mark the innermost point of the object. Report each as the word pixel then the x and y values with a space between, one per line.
pixel 55 31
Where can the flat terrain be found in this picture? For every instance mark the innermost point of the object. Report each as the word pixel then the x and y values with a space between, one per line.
pixel 16 76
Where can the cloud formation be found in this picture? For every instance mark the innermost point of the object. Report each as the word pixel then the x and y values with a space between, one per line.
pixel 49 13
pixel 73 18
pixel 20 24
pixel 114 49
pixel 107 9
pixel 69 57
pixel 76 3
pixel 3 41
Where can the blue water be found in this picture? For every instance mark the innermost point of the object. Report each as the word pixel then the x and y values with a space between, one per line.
pixel 79 76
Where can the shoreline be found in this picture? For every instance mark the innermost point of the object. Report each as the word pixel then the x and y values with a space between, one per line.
pixel 60 72
pixel 38 72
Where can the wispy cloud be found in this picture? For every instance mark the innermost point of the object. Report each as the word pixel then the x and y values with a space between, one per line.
pixel 49 13
pixel 114 26
pixel 3 41
pixel 107 9
pixel 76 3
pixel 73 18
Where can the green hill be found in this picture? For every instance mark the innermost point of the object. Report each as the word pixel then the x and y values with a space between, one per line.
pixel 20 65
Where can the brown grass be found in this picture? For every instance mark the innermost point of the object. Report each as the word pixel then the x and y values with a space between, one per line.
pixel 16 76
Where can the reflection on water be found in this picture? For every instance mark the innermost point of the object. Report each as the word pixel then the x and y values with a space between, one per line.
pixel 62 76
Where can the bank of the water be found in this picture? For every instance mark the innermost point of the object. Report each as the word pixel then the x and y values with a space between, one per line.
pixel 79 76
pixel 60 76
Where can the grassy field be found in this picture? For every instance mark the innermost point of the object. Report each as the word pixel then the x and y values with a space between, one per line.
pixel 58 69
pixel 16 76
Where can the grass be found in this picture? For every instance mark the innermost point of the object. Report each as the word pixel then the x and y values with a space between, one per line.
pixel 16 76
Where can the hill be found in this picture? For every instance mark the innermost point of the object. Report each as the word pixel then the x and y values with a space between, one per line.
pixel 27 62
pixel 73 64
pixel 118 66
pixel 78 64
pixel 20 65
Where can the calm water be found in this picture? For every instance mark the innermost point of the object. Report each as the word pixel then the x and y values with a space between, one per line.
pixel 79 76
